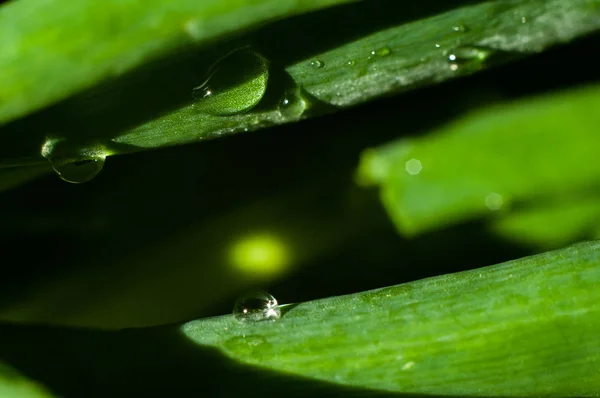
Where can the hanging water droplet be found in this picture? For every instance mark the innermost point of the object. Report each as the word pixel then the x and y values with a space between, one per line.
pixel 317 64
pixel 235 84
pixel 293 104
pixel 72 163
pixel 256 306
pixel 459 27
pixel 471 56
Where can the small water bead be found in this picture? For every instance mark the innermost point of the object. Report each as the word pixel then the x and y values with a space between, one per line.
pixel 235 84
pixel 467 55
pixel 460 28
pixel 317 64
pixel 256 306
pixel 293 105
pixel 350 63
pixel 72 163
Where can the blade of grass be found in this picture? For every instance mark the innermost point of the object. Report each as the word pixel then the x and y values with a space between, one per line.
pixel 396 59
pixel 50 50
pixel 488 161
pixel 14 385
pixel 523 328
pixel 553 224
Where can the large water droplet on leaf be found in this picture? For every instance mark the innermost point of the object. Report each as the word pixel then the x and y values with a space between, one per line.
pixel 256 306
pixel 293 105
pixel 235 84
pixel 73 163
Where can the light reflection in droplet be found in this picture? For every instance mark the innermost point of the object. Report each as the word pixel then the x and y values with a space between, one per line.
pixel 413 166
pixel 256 306
pixel 494 201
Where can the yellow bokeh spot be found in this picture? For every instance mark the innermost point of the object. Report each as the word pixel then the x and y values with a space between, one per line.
pixel 259 255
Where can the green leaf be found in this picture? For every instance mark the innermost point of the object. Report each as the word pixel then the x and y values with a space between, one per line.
pixel 348 69
pixel 523 328
pixel 508 155
pixel 394 60
pixel 554 224
pixel 15 176
pixel 51 50
pixel 15 385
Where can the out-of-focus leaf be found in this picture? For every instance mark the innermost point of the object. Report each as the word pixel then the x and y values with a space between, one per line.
pixel 486 162
pixel 15 176
pixel 14 385
pixel 553 224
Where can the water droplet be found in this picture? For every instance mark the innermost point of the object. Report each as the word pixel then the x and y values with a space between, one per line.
pixel 80 169
pixel 383 51
pixel 460 28
pixel 235 84
pixel 293 104
pixel 73 163
pixel 437 45
pixel 523 19
pixel 317 64
pixel 256 306
pixel 351 63
pixel 467 55
pixel 413 166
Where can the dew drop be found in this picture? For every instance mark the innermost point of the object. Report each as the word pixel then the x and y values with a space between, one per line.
pixel 256 306
pixel 523 19
pixel 350 63
pixel 460 28
pixel 467 55
pixel 235 84
pixel 317 64
pixel 74 164
pixel 293 104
